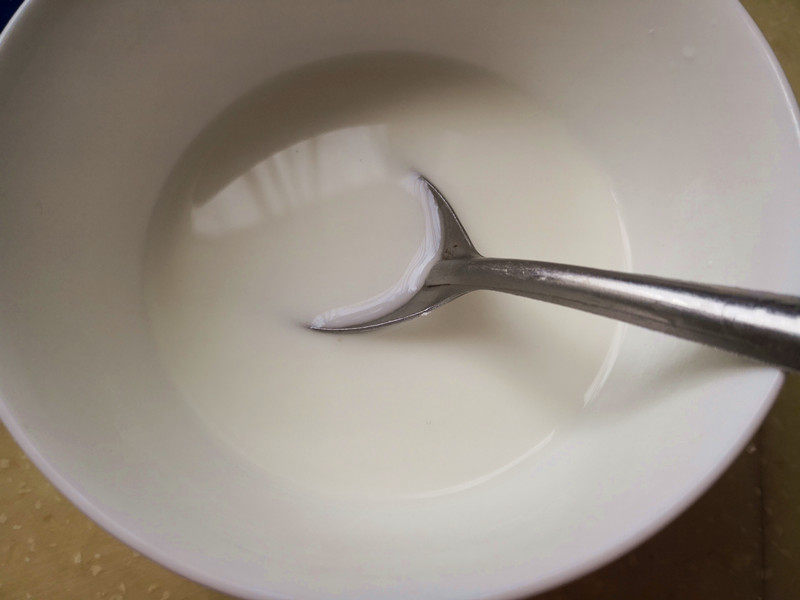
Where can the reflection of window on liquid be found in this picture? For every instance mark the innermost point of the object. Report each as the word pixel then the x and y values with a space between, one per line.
pixel 313 170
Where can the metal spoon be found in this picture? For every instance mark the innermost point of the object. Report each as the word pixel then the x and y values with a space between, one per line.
pixel 760 325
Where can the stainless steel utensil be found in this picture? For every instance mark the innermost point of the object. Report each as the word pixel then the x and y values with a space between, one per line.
pixel 760 325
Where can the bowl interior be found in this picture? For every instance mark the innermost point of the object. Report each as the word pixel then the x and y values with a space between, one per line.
pixel 682 105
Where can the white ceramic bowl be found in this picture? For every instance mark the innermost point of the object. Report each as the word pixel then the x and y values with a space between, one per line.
pixel 682 103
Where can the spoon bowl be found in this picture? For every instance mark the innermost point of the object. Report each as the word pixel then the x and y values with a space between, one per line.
pixel 452 243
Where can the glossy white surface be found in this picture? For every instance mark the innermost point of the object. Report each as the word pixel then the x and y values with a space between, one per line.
pixel 682 104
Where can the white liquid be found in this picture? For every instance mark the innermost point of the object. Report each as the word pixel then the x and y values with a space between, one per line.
pixel 289 205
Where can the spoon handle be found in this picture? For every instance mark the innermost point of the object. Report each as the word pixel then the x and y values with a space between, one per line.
pixel 760 325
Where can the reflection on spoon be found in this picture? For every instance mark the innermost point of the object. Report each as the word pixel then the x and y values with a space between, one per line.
pixel 412 279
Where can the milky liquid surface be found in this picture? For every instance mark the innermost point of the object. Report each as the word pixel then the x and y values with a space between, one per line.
pixel 291 203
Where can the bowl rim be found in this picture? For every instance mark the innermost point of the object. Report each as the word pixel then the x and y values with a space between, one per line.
pixel 617 548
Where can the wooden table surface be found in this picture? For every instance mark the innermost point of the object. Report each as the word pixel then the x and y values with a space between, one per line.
pixel 740 541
